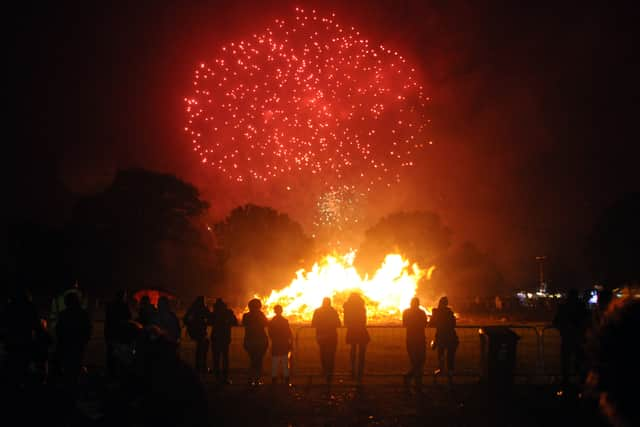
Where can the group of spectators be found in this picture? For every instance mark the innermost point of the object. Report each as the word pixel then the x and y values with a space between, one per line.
pixel 326 321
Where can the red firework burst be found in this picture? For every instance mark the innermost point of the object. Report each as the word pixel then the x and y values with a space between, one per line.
pixel 307 96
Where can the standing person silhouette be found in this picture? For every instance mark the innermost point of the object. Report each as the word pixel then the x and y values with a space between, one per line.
pixel 326 321
pixel 167 320
pixel 195 320
pixel 73 331
pixel 222 320
pixel 613 376
pixel 355 320
pixel 256 341
pixel 571 321
pixel 446 340
pixel 117 314
pixel 414 319
pixel 281 345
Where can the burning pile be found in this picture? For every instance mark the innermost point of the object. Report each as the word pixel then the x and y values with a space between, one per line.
pixel 387 293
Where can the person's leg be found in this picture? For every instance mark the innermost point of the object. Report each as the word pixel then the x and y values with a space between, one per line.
pixel 199 362
pixel 353 361
pixel 441 350
pixel 285 368
pixel 275 361
pixel 225 362
pixel 324 360
pixel 451 359
pixel 331 360
pixel 217 352
pixel 420 359
pixel 362 350
pixel 565 361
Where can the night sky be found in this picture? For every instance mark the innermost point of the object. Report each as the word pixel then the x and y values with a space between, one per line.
pixel 534 111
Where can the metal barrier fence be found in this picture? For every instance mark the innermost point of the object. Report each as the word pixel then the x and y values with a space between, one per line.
pixel 537 354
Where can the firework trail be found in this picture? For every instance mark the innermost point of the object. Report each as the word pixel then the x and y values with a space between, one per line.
pixel 310 97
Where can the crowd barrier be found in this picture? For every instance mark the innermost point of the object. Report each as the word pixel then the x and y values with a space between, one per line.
pixel 537 354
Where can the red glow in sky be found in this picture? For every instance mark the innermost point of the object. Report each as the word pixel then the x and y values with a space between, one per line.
pixel 307 95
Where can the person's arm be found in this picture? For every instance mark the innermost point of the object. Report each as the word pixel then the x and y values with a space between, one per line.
pixel 314 320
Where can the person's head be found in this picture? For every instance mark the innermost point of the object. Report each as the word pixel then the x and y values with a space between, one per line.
pixel 277 310
pixel 355 298
pixel 612 375
pixel 326 302
pixel 71 300
pixel 163 304
pixel 219 304
pixel 255 305
pixel 444 302
pixel 415 302
pixel 145 301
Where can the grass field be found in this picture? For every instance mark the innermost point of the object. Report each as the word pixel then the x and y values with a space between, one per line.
pixel 537 355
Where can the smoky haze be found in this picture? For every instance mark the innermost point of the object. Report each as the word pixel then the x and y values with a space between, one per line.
pixel 532 111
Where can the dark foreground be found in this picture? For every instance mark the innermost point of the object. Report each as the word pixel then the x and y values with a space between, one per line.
pixel 378 402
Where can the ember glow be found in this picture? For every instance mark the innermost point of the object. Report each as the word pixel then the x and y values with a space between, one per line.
pixel 307 95
pixel 387 293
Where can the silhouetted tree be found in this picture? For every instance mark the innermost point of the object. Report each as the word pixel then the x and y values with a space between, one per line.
pixel 262 247
pixel 127 234
pixel 614 243
pixel 420 236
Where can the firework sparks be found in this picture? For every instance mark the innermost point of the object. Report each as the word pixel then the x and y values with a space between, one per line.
pixel 307 96
pixel 338 207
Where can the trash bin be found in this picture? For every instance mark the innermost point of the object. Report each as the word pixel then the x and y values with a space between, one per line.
pixel 498 356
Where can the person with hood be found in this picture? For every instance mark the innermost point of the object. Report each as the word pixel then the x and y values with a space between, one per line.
pixel 117 314
pixel 73 331
pixel 446 341
pixel 355 320
pixel 222 320
pixel 414 319
pixel 326 322
pixel 196 320
pixel 281 345
pixel 256 341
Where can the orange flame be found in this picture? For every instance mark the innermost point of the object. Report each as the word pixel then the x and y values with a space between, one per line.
pixel 387 293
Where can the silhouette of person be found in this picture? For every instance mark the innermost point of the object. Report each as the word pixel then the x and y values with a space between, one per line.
pixel 355 320
pixel 19 324
pixel 326 321
pixel 446 340
pixel 222 320
pixel 256 341
pixel 196 320
pixel 414 319
pixel 73 331
pixel 58 304
pixel 571 321
pixel 170 392
pixel 117 314
pixel 167 320
pixel 613 375
pixel 281 345
pixel 146 312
